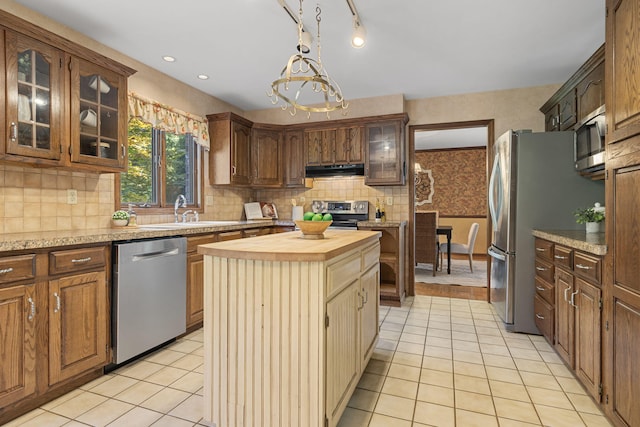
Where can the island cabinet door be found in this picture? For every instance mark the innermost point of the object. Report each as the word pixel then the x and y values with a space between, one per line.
pixel 343 312
pixel 370 294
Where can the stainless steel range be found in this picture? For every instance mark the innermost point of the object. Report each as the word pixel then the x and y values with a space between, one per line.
pixel 345 213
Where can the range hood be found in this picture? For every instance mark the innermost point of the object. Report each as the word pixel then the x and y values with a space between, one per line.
pixel 334 170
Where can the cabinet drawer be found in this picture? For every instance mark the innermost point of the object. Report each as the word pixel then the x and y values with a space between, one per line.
pixel 546 291
pixel 544 249
pixel 587 266
pixel 19 267
pixel 229 235
pixel 563 256
pixel 370 256
pixel 544 270
pixel 253 232
pixel 342 273
pixel 76 259
pixel 543 313
pixel 194 242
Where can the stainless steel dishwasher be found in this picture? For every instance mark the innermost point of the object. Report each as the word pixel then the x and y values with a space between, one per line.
pixel 149 294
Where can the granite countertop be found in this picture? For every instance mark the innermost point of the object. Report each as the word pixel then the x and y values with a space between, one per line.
pixel 594 243
pixel 50 239
pixel 291 246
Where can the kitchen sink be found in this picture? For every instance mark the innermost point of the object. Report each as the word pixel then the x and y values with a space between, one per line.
pixel 172 225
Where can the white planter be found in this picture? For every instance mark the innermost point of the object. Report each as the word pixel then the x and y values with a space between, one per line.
pixel 595 227
pixel 120 222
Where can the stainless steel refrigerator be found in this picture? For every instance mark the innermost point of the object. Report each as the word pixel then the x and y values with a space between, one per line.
pixel 533 185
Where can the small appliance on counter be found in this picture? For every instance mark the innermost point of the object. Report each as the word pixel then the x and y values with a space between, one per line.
pixel 345 213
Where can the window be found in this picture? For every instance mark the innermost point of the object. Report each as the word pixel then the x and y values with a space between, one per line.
pixel 162 165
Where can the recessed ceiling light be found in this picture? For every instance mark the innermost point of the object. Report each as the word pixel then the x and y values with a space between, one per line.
pixel 169 58
pixel 203 76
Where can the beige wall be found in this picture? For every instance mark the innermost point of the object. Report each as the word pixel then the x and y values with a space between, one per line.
pixel 35 200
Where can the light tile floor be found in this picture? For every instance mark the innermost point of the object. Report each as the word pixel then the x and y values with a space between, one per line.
pixel 439 362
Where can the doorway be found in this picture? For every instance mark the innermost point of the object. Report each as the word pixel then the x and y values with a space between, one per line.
pixel 449 175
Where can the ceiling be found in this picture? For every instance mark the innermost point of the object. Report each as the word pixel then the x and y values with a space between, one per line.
pixel 417 48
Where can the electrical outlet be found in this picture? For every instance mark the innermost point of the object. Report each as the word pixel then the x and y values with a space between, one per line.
pixel 389 201
pixel 208 200
pixel 72 197
pixel 301 199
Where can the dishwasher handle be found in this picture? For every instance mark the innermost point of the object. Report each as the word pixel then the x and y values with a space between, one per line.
pixel 152 255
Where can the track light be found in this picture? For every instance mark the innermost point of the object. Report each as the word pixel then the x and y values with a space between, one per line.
pixel 359 37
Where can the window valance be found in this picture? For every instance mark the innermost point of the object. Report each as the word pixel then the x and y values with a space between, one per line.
pixel 168 118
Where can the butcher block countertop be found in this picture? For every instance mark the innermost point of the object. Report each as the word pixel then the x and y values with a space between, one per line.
pixel 290 246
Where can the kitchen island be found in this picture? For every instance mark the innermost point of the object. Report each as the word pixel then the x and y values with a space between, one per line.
pixel 290 325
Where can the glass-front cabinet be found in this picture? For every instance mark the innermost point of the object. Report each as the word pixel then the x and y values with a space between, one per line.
pixel 385 153
pixel 34 98
pixel 98 108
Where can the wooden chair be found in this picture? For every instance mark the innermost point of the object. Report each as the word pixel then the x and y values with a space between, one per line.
pixel 426 245
pixel 464 248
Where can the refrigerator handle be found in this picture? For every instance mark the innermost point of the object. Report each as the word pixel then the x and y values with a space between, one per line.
pixel 492 182
pixel 497 255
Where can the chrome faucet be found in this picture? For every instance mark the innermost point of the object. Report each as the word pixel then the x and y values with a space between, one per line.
pixel 181 202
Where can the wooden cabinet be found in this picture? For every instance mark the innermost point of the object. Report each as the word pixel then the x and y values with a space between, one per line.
pixel 622 56
pixel 77 325
pixel 349 147
pixel 266 158
pixel 34 99
pixel 545 298
pixel 294 161
pixel 392 286
pixel 340 146
pixel 195 279
pixel 370 292
pixel 385 162
pixel 578 97
pixel 98 111
pixel 229 156
pixel 17 343
pixel 66 106
pixel 578 314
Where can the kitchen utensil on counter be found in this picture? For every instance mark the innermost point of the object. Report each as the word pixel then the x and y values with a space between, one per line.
pixel 297 213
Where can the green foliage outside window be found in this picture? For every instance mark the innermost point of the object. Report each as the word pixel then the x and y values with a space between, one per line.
pixel 136 185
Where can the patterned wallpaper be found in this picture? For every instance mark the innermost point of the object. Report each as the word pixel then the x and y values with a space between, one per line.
pixel 459 181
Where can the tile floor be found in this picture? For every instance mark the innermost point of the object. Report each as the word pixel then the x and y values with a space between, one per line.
pixel 439 362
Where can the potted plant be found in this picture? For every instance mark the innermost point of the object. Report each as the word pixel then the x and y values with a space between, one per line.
pixel 592 217
pixel 120 218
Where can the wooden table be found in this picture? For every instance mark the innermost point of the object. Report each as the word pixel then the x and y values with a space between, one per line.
pixel 446 230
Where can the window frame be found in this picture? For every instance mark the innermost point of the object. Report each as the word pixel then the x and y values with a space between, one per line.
pixel 166 207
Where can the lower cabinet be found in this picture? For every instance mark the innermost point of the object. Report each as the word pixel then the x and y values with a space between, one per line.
pixel 77 325
pixel 588 305
pixel 17 343
pixel 53 324
pixel 195 279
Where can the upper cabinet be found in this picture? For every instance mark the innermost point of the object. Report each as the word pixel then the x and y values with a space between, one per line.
pixel 34 98
pixel 294 158
pixel 65 106
pixel 229 156
pixel 338 146
pixel 266 158
pixel 578 97
pixel 623 102
pixel 385 163
pixel 98 108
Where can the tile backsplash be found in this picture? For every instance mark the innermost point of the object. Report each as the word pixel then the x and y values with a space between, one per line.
pixel 34 200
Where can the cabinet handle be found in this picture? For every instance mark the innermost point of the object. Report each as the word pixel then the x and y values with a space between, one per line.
pixel 583 267
pixel 6 270
pixel 233 170
pixel 87 259
pixel 366 297
pixel 539 317
pixel 573 295
pixel 541 250
pixel 14 131
pixel 540 268
pixel 32 310
pixel 540 288
pixel 565 293
pixel 559 257
pixel 57 297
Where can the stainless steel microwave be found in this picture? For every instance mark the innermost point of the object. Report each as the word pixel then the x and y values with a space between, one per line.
pixel 589 142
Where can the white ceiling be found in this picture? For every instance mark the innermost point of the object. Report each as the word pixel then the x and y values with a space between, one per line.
pixel 417 48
